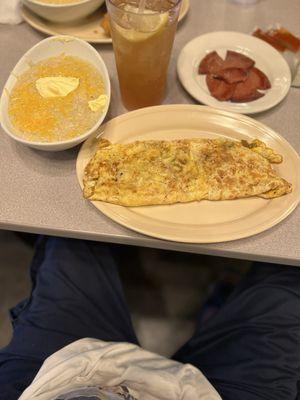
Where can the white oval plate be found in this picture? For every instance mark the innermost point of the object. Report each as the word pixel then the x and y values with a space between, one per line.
pixel 266 58
pixel 88 28
pixel 204 221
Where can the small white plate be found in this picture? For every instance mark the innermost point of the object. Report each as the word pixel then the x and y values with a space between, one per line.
pixel 265 56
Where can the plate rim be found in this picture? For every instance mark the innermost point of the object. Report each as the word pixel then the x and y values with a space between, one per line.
pixel 25 12
pixel 101 206
pixel 186 8
pixel 226 106
pixel 48 31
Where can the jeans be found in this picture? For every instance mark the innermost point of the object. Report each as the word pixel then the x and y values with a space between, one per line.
pixel 249 350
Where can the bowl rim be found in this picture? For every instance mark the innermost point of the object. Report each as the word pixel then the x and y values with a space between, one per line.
pixel 111 4
pixel 77 139
pixel 52 5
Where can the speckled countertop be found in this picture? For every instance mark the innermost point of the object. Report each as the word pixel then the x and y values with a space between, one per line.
pixel 39 190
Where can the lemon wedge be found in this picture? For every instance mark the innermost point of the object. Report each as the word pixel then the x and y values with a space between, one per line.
pixel 138 27
pixel 56 86
pixel 99 103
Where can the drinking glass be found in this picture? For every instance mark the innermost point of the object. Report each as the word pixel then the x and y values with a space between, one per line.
pixel 142 39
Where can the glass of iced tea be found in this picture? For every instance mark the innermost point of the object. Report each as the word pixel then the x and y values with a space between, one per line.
pixel 143 33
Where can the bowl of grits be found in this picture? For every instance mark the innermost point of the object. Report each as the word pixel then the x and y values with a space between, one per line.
pixel 57 95
pixel 63 11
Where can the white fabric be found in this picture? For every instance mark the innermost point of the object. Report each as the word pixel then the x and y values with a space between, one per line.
pixel 117 393
pixel 10 12
pixel 90 362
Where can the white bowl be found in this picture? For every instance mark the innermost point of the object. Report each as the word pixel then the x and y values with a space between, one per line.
pixel 63 12
pixel 51 47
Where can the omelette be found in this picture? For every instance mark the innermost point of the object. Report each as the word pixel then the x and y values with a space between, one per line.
pixel 158 172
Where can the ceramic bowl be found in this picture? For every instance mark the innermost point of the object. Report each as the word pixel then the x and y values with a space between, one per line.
pixel 53 47
pixel 63 13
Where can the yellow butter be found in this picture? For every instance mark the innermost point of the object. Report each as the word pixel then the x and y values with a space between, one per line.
pixel 99 103
pixel 56 86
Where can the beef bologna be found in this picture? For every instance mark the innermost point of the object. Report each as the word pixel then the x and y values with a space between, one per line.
pixel 234 79
pixel 237 60
pixel 219 89
pixel 245 91
pixel 263 82
pixel 211 63
pixel 233 75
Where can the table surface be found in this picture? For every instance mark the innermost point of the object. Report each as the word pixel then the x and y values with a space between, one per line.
pixel 40 192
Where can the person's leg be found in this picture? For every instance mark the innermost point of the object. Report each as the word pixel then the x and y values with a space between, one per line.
pixel 251 348
pixel 76 293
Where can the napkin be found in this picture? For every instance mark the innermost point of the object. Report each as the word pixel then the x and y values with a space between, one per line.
pixel 10 12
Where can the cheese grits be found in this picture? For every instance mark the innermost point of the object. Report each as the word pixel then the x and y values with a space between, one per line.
pixel 54 100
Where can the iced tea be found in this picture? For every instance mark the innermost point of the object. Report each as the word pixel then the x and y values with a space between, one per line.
pixel 142 44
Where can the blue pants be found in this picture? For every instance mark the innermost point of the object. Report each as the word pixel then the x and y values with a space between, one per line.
pixel 249 350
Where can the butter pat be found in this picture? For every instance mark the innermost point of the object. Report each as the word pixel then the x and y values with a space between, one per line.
pixel 99 103
pixel 56 86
